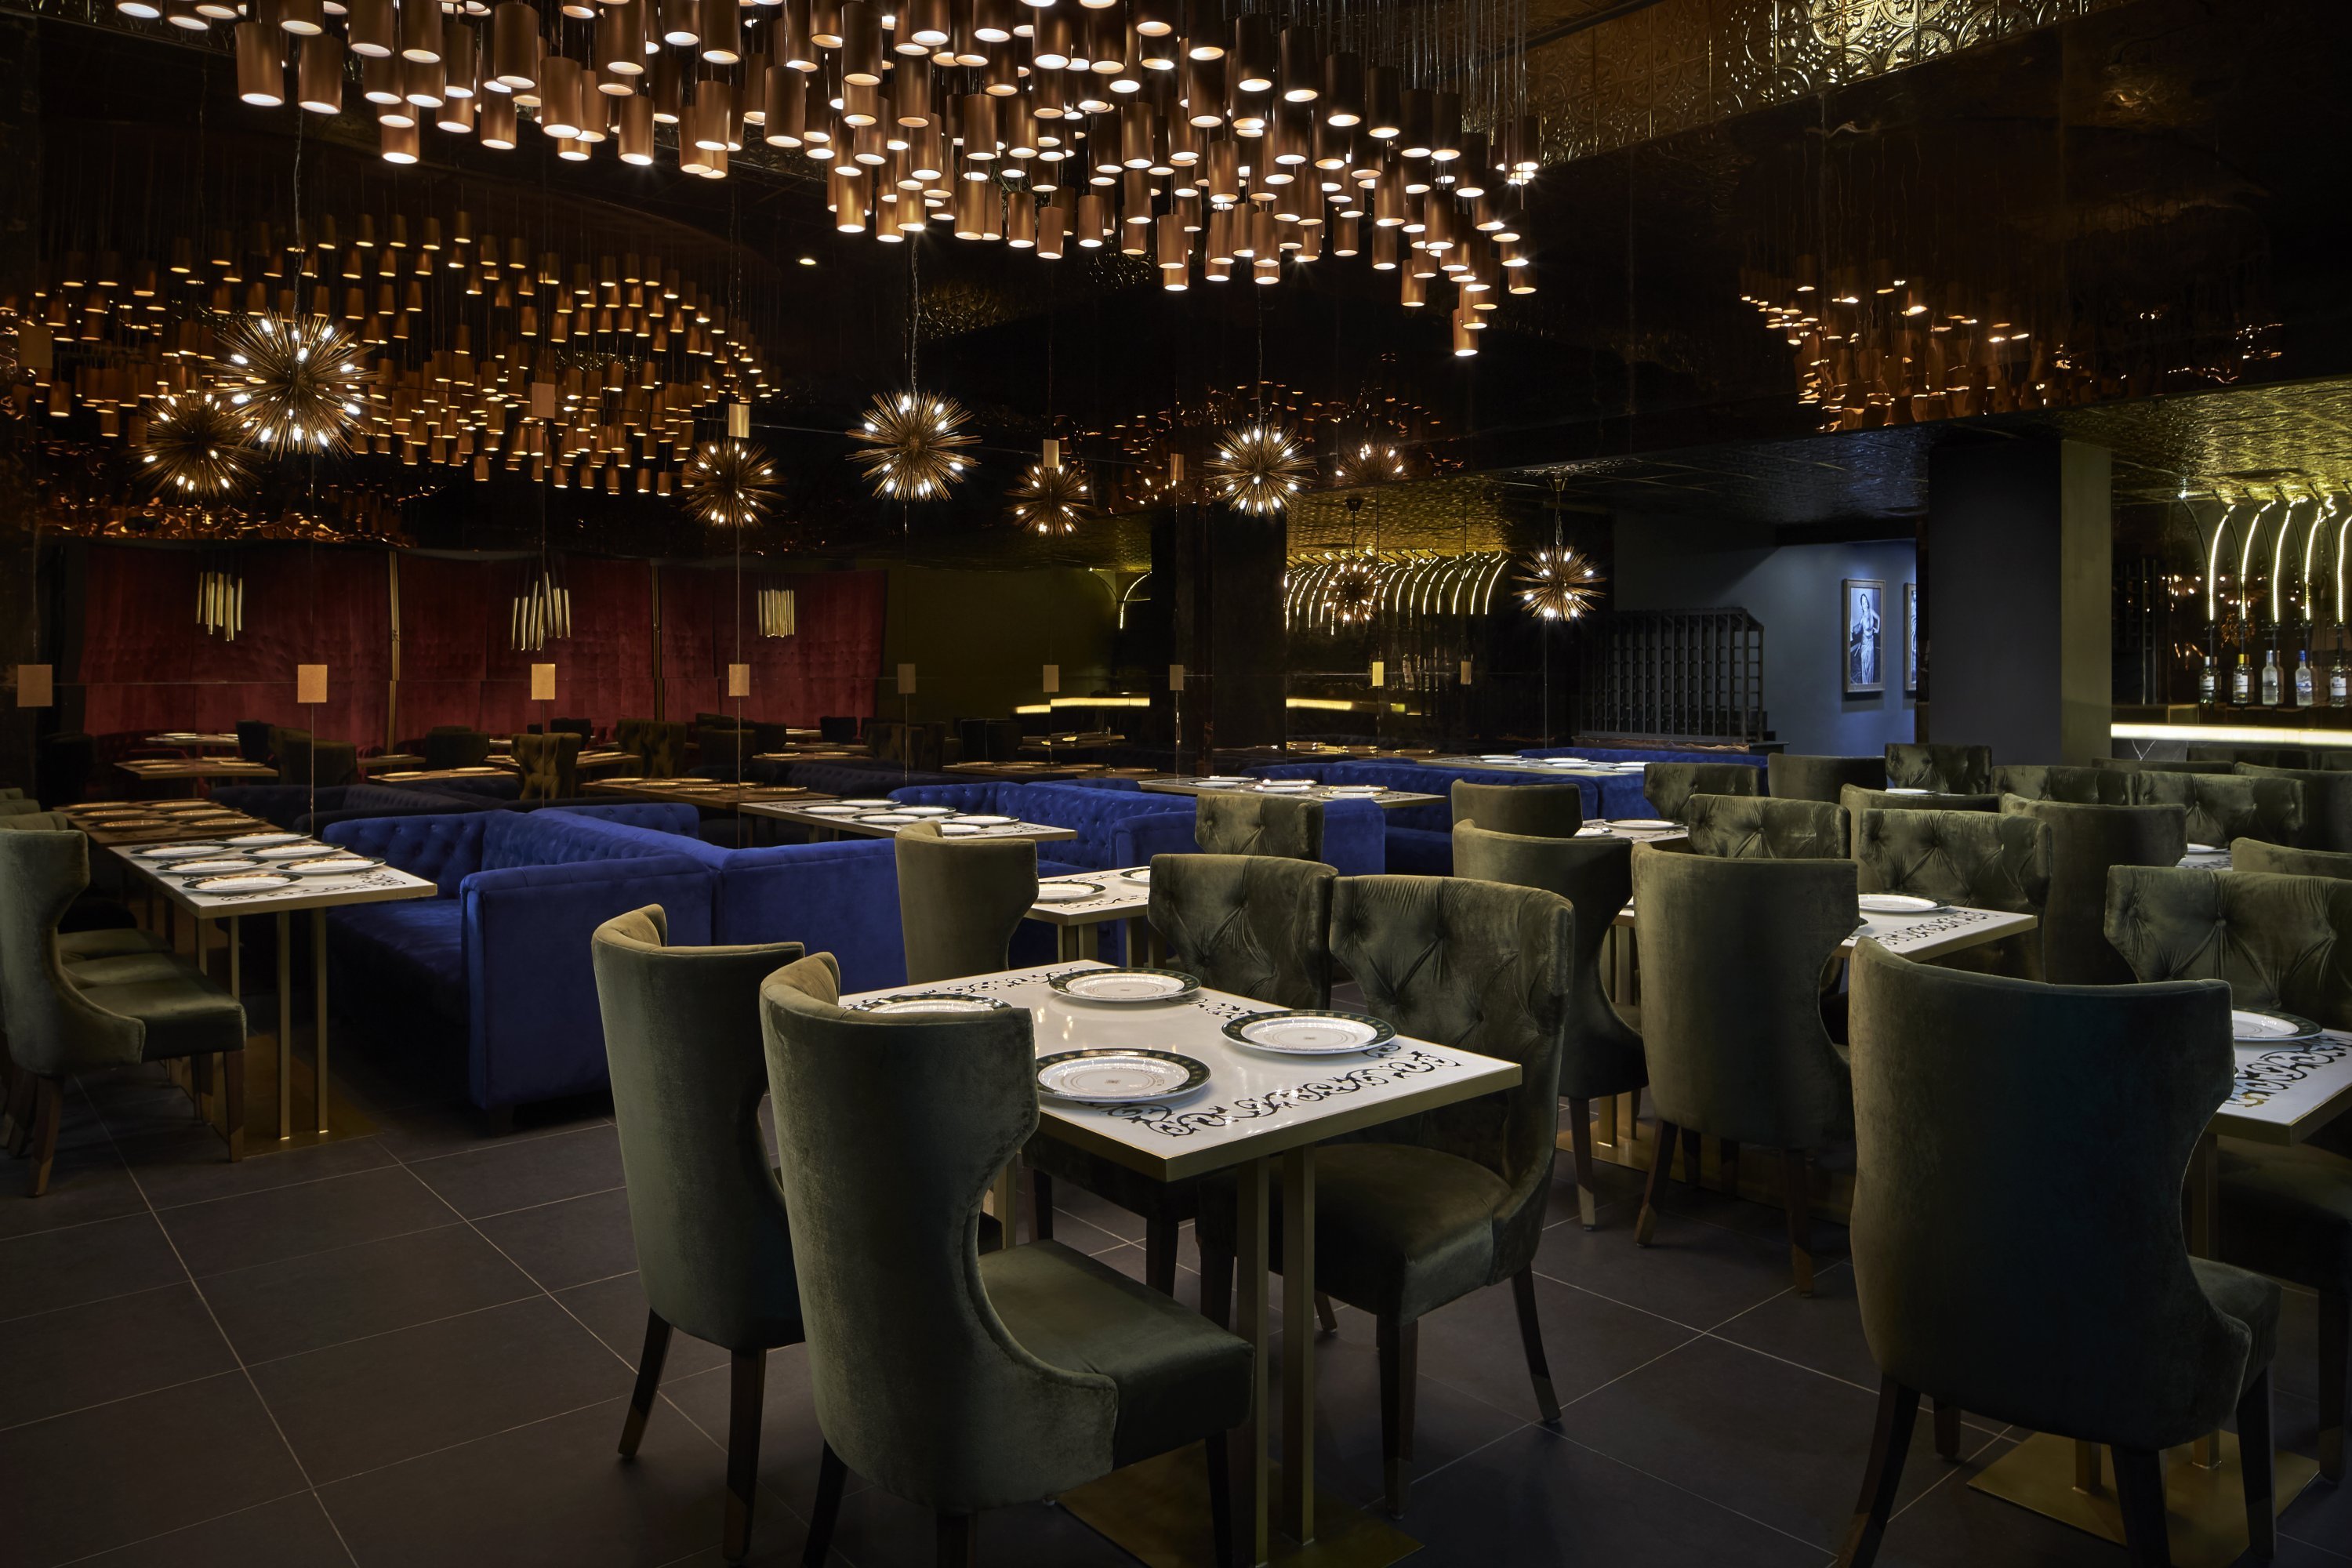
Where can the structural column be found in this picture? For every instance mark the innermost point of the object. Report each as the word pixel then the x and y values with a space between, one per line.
pixel 1225 622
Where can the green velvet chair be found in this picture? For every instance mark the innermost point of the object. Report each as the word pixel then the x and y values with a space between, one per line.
pixel 959 900
pixel 714 1250
pixel 278 736
pixel 1733 955
pixel 318 765
pixel 1857 801
pixel 2222 807
pixel 1602 1055
pixel 1946 770
pixel 2084 842
pixel 2254 854
pixel 1669 784
pixel 550 765
pixel 658 746
pixel 2280 757
pixel 2082 786
pixel 17 806
pixel 1760 828
pixel 2327 804
pixel 1788 777
pixel 96 999
pixel 2164 765
pixel 957 1380
pixel 1974 858
pixel 1452 1201
pixel 722 752
pixel 1252 925
pixel 1532 811
pixel 456 746
pixel 2018 1248
pixel 2283 942
pixel 1258 824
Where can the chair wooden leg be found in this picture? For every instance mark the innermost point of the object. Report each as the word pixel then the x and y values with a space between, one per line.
pixel 958 1537
pixel 1160 1255
pixel 1217 1286
pixel 1523 1297
pixel 1948 1430
pixel 649 1372
pixel 2335 1373
pixel 2257 1459
pixel 48 1105
pixel 15 1123
pixel 1326 1314
pixel 831 1475
pixel 2139 1488
pixel 1398 1345
pixel 1890 1443
pixel 1579 1157
pixel 1662 1159
pixel 1796 1192
pixel 747 1391
pixel 233 1091
pixel 1726 1164
pixel 1042 1209
pixel 1220 1499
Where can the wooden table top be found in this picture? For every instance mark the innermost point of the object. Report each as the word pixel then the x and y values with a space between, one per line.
pixel 1387 799
pixel 437 775
pixel 1120 895
pixel 196 768
pixel 717 794
pixel 113 822
pixel 193 738
pixel 846 822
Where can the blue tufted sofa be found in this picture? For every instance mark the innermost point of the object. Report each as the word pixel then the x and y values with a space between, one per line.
pixel 1116 826
pixel 1419 840
pixel 498 962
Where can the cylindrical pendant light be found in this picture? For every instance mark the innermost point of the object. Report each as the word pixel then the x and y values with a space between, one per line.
pixel 620 38
pixel 1250 65
pixel 514 46
pixel 399 144
pixel 1384 103
pixel 824 24
pixel 260 69
pixel 722 32
pixel 456 115
pixel 786 107
pixel 559 95
pixel 1094 221
pixel 861 49
pixel 1020 224
pixel 1446 126
pixel 1202 87
pixel 1412 140
pixel 371 29
pixel 847 194
pixel 680 22
pixel 1343 89
pixel 796 49
pixel 1302 66
pixel 303 18
pixel 319 75
pixel 420 31
pixel 495 126
pixel 637 130
pixel 667 86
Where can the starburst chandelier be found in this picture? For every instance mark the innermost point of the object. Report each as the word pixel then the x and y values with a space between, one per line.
pixel 1369 463
pixel 297 384
pixel 908 445
pixel 729 484
pixel 1052 498
pixel 195 446
pixel 1259 468
pixel 1351 592
pixel 1559 583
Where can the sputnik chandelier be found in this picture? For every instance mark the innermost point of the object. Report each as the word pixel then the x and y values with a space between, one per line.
pixel 1559 583
pixel 1051 497
pixel 295 382
pixel 196 447
pixel 731 484
pixel 1258 467
pixel 908 445
pixel 1157 128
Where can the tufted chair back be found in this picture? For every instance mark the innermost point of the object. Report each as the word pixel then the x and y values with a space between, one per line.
pixel 1757 827
pixel 456 746
pixel 1532 810
pixel 1489 968
pixel 37 822
pixel 1821 778
pixel 2225 807
pixel 2280 941
pixel 1732 957
pixel 722 752
pixel 2254 854
pixel 658 746
pixel 1977 1289
pixel 960 900
pixel 918 1384
pixel 975 798
pixel 49 1028
pixel 682 1039
pixel 2282 757
pixel 550 765
pixel 1669 785
pixel 2081 786
pixel 253 740
pixel 1258 824
pixel 1947 770
pixel 2163 765
pixel 1603 1054
pixel 1256 925
pixel 316 765
pixel 1857 801
pixel 2327 804
pixel 2085 841
pixel 1979 859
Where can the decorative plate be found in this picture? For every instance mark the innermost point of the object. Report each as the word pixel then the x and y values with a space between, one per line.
pixel 331 866
pixel 1907 789
pixel 258 840
pixel 2261 1027
pixel 929 810
pixel 959 830
pixel 928 1002
pixel 889 818
pixel 2203 849
pixel 1355 792
pixel 1500 757
pixel 1643 824
pixel 240 882
pixel 1897 904
pixel 1287 787
pixel 836 809
pixel 984 819
pixel 1067 893
pixel 215 866
pixel 1125 987
pixel 866 803
pixel 1593 830
pixel 180 851
pixel 1309 1032
pixel 479 768
pixel 1104 1076
pixel 403 774
pixel 1219 784
pixel 288 851
pixel 1139 874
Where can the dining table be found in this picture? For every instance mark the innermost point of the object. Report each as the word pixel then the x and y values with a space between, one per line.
pixel 1233 783
pixel 878 817
pixel 195 739
pixel 724 795
pixel 1253 1112
pixel 1078 904
pixel 195 772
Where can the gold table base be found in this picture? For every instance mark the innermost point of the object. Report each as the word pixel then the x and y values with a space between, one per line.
pixel 2205 1510
pixel 1158 1511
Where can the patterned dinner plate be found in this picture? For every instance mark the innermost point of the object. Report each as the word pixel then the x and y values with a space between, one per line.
pixel 1067 893
pixel 1108 1077
pixel 959 830
pixel 1223 781
pixel 929 810
pixel 300 849
pixel 2261 1027
pixel 1139 874
pixel 1126 987
pixel 889 818
pixel 985 819
pixel 864 802
pixel 213 865
pixel 1287 787
pixel 180 851
pixel 933 1002
pixel 2204 849
pixel 1897 904
pixel 1642 823
pixel 836 809
pixel 261 840
pixel 240 882
pixel 1309 1032
pixel 329 866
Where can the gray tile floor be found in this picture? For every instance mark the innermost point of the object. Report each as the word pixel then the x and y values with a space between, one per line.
pixel 414 1348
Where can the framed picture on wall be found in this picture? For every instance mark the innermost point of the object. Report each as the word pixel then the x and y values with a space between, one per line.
pixel 1910 639
pixel 1864 621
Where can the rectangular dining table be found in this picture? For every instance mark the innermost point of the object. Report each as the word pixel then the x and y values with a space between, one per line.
pixel 1258 1114
pixel 1387 799
pixel 800 815
pixel 195 739
pixel 196 772
pixel 376 884
pixel 1124 895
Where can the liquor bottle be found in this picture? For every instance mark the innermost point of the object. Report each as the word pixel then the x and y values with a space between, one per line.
pixel 2306 691
pixel 2338 689
pixel 2270 677
pixel 2241 682
pixel 2209 683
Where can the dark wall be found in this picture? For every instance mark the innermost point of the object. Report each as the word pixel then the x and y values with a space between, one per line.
pixel 980 640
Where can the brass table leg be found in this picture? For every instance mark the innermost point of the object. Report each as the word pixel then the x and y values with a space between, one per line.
pixel 1088 941
pixel 1298 1327
pixel 318 986
pixel 2204 1241
pixel 1252 1322
pixel 284 1026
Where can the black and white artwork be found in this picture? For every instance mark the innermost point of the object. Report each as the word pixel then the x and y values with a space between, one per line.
pixel 1910 639
pixel 1865 636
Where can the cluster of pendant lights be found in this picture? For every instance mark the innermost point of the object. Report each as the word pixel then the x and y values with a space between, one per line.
pixel 1157 128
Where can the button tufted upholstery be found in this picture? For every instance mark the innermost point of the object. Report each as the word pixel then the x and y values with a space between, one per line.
pixel 1255 925
pixel 2082 786
pixel 1534 810
pixel 1788 777
pixel 1097 816
pixel 1419 840
pixel 2164 765
pixel 965 797
pixel 1947 769
pixel 1979 859
pixel 456 746
pixel 2254 854
pixel 659 745
pixel 550 765
pixel 1670 786
pixel 1258 824
pixel 444 847
pixel 1757 827
pixel 1857 801
pixel 2084 842
pixel 859 778
pixel 2327 804
pixel 2223 807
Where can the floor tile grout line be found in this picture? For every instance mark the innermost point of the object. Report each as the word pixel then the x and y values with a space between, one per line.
pixel 1817 1372
pixel 118 1399
pixel 547 1135
pixel 1702 1497
pixel 196 1524
pixel 386 1334
pixel 1948 1471
pixel 95 1301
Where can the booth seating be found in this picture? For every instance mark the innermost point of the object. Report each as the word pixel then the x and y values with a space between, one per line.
pixel 856 778
pixel 1115 828
pixel 1418 839
pixel 499 960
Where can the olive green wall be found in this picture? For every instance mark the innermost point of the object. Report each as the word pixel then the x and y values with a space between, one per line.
pixel 979 640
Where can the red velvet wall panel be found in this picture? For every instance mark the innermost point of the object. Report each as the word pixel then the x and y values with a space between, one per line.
pixel 828 667
pixel 458 664
pixel 146 665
